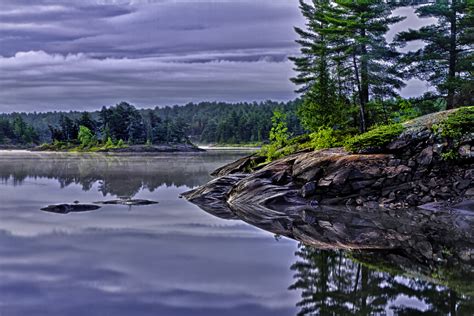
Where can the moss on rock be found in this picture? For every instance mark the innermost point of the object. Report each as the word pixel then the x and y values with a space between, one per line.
pixel 375 138
pixel 457 124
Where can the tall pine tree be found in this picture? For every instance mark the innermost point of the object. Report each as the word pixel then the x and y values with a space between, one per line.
pixel 344 54
pixel 321 106
pixel 446 59
pixel 364 25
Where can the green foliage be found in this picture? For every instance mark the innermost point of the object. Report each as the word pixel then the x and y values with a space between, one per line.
pixel 324 138
pixel 449 155
pixel 85 136
pixel 345 61
pixel 445 60
pixel 375 138
pixel 279 132
pixel 109 143
pixel 17 132
pixel 206 122
pixel 406 111
pixel 457 124
pixel 453 128
pixel 279 137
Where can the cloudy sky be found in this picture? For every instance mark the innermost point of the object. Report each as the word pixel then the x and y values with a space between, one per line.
pixel 82 54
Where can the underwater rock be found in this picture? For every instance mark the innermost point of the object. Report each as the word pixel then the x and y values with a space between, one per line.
pixel 129 202
pixel 70 208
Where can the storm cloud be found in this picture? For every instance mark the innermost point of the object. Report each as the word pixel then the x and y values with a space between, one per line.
pixel 89 53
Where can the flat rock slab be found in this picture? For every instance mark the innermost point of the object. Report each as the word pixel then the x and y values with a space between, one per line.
pixel 70 208
pixel 127 202
pixel 465 207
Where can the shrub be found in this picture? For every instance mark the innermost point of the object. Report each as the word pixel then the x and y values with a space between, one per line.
pixel 453 128
pixel 324 138
pixel 457 124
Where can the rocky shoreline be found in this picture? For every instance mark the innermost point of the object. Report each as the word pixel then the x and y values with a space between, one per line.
pixel 335 199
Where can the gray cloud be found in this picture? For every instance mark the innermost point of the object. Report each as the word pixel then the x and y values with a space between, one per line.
pixel 58 55
pixel 84 54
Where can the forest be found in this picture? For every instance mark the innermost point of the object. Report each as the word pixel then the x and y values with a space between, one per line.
pixel 205 122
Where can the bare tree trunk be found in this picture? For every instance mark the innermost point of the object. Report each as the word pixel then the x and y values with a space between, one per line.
pixel 363 126
pixel 452 58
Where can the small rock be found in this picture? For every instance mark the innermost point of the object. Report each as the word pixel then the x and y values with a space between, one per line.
pixel 412 199
pixel 466 152
pixel 324 183
pixel 425 249
pixel 308 189
pixel 438 148
pixel 426 156
pixel 394 162
pixel 424 188
pixel 358 185
pixel 426 199
pixel 371 205
pixel 470 192
pixel 461 185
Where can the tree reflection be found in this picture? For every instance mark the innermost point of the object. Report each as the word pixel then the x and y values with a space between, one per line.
pixel 121 176
pixel 335 283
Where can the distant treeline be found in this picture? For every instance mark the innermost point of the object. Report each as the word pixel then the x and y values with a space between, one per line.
pixel 206 122
pixel 16 132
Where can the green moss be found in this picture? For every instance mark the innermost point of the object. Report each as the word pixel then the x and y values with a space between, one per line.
pixel 456 124
pixel 273 151
pixel 452 129
pixel 375 138
pixel 450 155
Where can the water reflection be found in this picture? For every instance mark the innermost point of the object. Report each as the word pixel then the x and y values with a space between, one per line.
pixel 405 262
pixel 173 259
pixel 333 283
pixel 117 175
pixel 164 259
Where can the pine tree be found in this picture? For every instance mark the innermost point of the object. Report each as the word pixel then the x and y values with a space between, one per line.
pixel 314 67
pixel 446 59
pixel 344 53
pixel 364 24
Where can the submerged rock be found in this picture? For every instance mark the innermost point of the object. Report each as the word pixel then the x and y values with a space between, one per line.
pixel 70 208
pixel 129 202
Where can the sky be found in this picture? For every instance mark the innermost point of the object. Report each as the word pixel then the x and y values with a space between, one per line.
pixel 83 54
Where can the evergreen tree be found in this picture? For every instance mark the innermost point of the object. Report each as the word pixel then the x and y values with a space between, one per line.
pixel 321 106
pixel 344 52
pixel 86 121
pixel 69 128
pixel 446 59
pixel 364 24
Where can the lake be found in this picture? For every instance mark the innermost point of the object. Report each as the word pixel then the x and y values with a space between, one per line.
pixel 172 258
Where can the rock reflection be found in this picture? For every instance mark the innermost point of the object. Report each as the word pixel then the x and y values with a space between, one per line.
pixel 364 283
pixel 404 262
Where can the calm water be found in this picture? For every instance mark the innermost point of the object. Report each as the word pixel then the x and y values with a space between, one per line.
pixel 173 258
